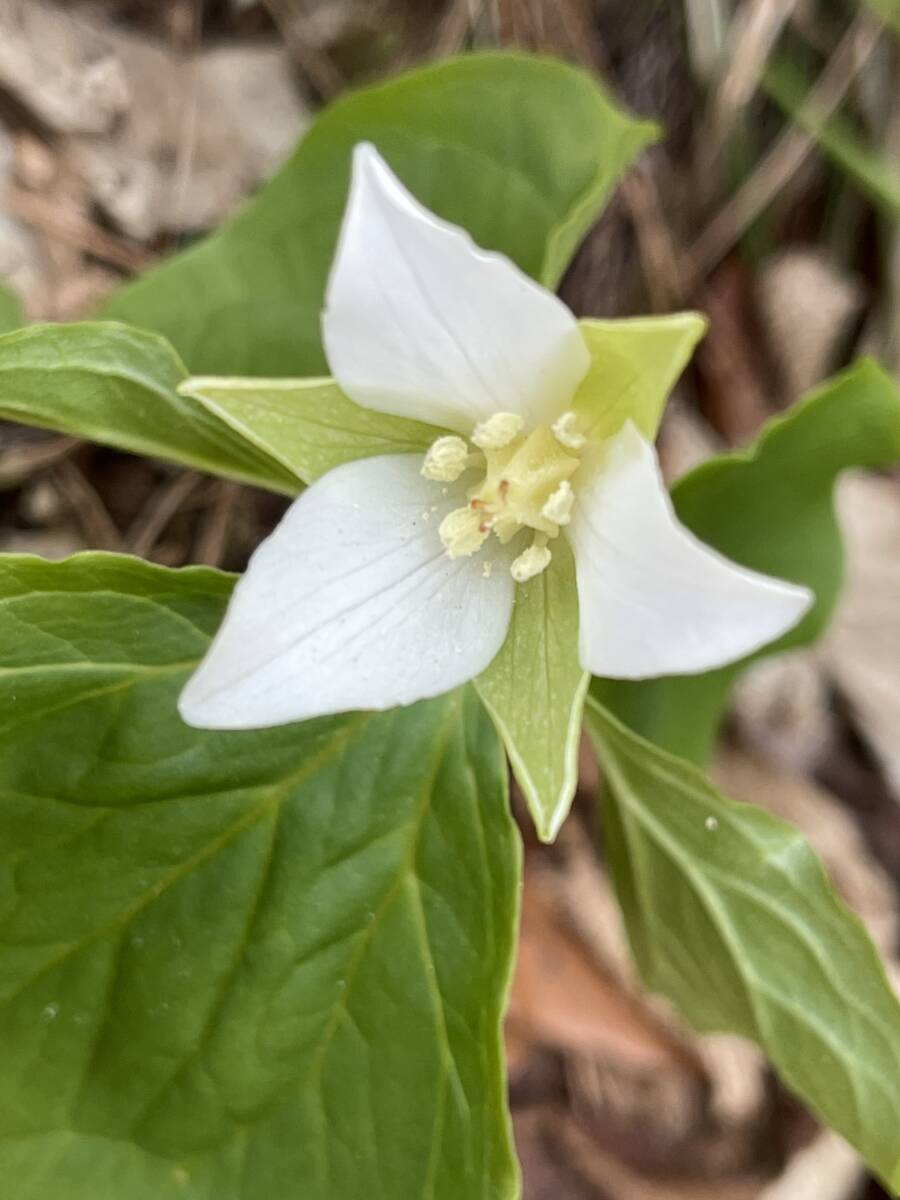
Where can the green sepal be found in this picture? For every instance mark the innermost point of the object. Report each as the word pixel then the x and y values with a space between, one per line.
pixel 307 425
pixel 635 363
pixel 535 688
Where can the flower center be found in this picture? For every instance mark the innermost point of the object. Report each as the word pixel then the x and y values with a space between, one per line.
pixel 525 484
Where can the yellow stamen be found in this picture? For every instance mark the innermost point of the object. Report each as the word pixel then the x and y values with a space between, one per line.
pixel 525 484
pixel 530 563
pixel 565 432
pixel 463 531
pixel 521 479
pixel 446 459
pixel 498 431
pixel 558 508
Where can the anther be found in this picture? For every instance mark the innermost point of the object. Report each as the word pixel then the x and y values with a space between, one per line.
pixel 563 429
pixel 498 431
pixel 446 459
pixel 463 531
pixel 558 508
pixel 530 563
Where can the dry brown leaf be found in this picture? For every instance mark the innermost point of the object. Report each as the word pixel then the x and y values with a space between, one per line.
pixel 827 1169
pixel 781 707
pixel 807 304
pixel 201 133
pixel 165 141
pixel 48 543
pixel 640 1085
pixel 685 439
pixel 862 647
pixel 608 1177
pixel 736 394
pixel 547 1170
pixel 60 68
pixel 735 1068
pixel 20 255
pixel 563 999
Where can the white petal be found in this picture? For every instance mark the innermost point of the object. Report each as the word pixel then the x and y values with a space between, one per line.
pixel 653 599
pixel 351 603
pixel 421 323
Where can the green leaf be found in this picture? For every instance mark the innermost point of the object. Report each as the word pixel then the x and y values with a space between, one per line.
pixel 888 10
pixel 875 172
pixel 535 688
pixel 769 508
pixel 115 385
pixel 635 363
pixel 520 151
pixel 11 314
pixel 730 915
pixel 256 965
pixel 308 425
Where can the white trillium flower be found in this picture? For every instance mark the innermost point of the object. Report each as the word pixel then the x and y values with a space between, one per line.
pixel 392 579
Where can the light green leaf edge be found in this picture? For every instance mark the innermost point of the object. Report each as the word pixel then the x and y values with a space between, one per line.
pixel 770 508
pixel 112 384
pixel 57 669
pixel 308 425
pixel 707 886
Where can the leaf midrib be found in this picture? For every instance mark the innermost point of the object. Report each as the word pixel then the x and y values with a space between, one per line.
pixel 273 798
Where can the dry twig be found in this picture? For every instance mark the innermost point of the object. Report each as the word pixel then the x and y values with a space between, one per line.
pixel 315 62
pixel 788 153
pixel 753 32
pixel 73 230
pixel 159 510
pixel 19 462
pixel 99 528
pixel 660 261
pixel 212 544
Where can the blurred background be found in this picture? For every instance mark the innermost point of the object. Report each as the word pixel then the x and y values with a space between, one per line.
pixel 129 128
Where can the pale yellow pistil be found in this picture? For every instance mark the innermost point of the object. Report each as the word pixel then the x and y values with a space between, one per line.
pixel 525 484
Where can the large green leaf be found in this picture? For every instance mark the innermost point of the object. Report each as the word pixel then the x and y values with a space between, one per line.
pixel 249 965
pixel 731 916
pixel 520 151
pixel 770 508
pixel 308 425
pixel 112 384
